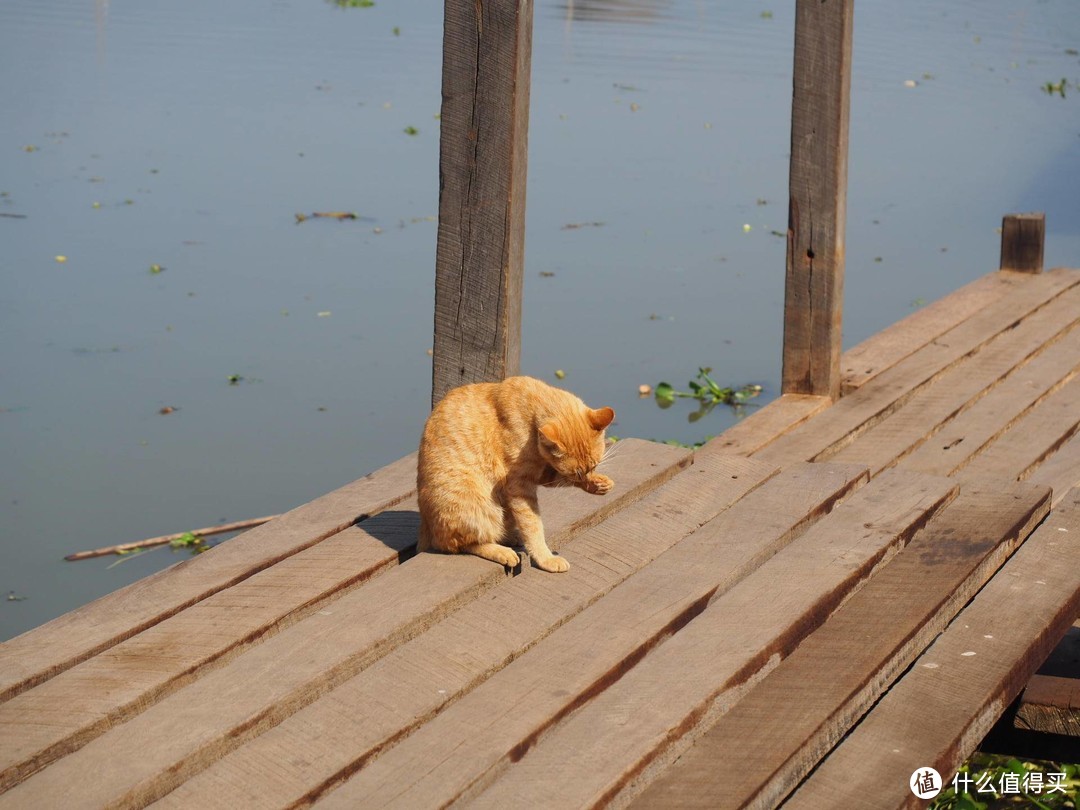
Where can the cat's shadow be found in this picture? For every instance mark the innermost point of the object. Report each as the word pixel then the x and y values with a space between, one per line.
pixel 397 529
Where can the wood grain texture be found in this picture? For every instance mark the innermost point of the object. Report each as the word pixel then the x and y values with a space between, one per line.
pixel 988 419
pixel 949 420
pixel 758 751
pixel 346 728
pixel 39 654
pixel 1061 470
pixel 154 751
pixel 63 713
pixel 1022 240
pixel 608 751
pixel 766 424
pixel 1033 437
pixel 883 350
pixel 458 752
pixel 1050 704
pixel 483 147
pixel 938 712
pixel 828 432
pixel 814 288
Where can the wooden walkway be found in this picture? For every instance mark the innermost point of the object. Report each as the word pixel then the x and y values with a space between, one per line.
pixel 857 589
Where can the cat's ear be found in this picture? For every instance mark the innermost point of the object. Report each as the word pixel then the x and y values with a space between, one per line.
pixel 601 418
pixel 549 437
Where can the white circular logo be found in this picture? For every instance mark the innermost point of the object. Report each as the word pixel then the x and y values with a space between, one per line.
pixel 925 783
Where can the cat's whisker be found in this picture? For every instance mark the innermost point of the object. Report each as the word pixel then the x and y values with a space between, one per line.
pixel 609 453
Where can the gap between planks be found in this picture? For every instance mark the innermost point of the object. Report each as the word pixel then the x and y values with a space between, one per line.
pixel 1061 470
pixel 1032 438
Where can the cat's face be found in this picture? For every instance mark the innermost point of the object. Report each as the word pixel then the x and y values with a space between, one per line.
pixel 573 447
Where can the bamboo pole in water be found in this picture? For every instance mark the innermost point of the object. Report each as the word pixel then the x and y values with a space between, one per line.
pixel 168 538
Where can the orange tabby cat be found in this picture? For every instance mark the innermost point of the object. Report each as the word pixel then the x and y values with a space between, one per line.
pixel 486 448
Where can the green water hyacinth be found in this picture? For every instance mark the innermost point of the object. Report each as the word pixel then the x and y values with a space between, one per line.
pixel 707 392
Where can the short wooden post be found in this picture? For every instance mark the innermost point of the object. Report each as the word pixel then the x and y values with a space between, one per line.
pixel 813 299
pixel 1022 238
pixel 487 47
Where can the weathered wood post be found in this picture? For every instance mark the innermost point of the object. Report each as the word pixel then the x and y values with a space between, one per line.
pixel 813 299
pixel 1022 237
pixel 487 47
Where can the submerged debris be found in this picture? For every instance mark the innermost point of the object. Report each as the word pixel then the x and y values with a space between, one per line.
pixel 340 216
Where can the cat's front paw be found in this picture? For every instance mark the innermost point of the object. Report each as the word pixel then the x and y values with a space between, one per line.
pixel 598 484
pixel 553 565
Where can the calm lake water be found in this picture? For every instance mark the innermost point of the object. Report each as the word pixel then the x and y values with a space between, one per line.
pixel 186 137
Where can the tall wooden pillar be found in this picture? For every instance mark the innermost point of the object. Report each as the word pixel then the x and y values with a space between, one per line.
pixel 487 47
pixel 814 290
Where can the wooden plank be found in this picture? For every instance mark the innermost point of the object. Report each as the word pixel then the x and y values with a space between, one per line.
pixel 609 749
pixel 494 731
pixel 342 730
pixel 39 654
pixel 1060 470
pixel 830 431
pixel 948 421
pixel 483 144
pixel 1022 239
pixel 192 727
pixel 949 450
pixel 817 184
pixel 1051 705
pixel 63 713
pixel 888 347
pixel 937 713
pixel 772 738
pixel 1033 437
pixel 752 433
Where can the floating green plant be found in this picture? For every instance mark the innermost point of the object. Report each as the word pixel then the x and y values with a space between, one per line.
pixel 708 393
pixel 1050 88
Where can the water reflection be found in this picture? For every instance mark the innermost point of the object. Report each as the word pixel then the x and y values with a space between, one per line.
pixel 101 11
pixel 616 11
